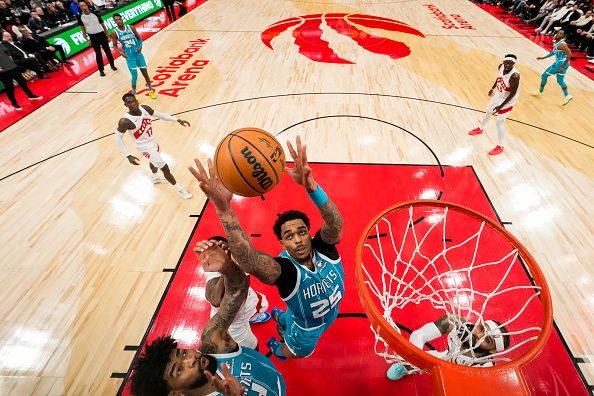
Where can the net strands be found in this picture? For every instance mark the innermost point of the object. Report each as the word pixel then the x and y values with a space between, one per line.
pixel 436 261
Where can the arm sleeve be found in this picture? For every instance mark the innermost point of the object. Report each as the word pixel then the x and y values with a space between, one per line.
pixel 427 333
pixel 120 142
pixel 327 249
pixel 164 116
pixel 288 277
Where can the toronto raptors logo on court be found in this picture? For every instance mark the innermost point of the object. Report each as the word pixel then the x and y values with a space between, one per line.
pixel 308 31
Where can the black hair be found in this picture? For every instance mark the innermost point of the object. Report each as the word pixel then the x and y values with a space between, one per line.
pixel 504 333
pixel 219 239
pixel 127 95
pixel 147 377
pixel 288 216
pixel 115 15
pixel 511 56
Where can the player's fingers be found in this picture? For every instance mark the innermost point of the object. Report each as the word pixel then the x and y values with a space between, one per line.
pixel 292 151
pixel 200 169
pixel 304 155
pixel 211 169
pixel 195 173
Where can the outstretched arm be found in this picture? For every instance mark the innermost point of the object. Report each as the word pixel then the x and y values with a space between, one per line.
pixel 165 116
pixel 431 331
pixel 252 261
pixel 123 125
pixel 213 258
pixel 301 173
pixel 215 291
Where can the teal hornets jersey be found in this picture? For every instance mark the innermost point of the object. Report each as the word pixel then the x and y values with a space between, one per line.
pixel 254 371
pixel 560 56
pixel 317 294
pixel 128 39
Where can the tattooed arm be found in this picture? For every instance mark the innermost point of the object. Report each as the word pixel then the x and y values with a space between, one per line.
pixel 444 324
pixel 261 265
pixel 302 174
pixel 215 338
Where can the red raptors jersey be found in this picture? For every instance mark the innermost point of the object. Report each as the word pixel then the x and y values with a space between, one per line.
pixel 503 86
pixel 142 134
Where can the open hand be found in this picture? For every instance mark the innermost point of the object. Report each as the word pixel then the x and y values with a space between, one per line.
pixel 229 386
pixel 211 256
pixel 212 186
pixel 183 122
pixel 301 173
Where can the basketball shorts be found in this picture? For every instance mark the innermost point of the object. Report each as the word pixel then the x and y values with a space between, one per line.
pixel 153 153
pixel 302 342
pixel 136 60
pixel 555 68
pixel 240 329
pixel 503 113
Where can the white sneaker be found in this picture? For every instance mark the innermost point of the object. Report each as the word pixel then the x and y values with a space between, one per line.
pixel 567 100
pixel 156 179
pixel 182 192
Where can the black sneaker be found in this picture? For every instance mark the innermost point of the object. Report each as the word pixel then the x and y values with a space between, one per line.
pixel 114 68
pixel 17 107
pixel 36 97
pixel 101 73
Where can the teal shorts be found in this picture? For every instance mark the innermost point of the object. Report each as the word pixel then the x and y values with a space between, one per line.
pixel 302 342
pixel 136 60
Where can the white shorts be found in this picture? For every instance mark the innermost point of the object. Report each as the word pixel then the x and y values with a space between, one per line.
pixel 240 329
pixel 496 100
pixel 153 153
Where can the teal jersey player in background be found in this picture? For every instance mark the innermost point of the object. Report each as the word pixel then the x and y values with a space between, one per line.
pixel 308 274
pixel 132 52
pixel 220 366
pixel 562 55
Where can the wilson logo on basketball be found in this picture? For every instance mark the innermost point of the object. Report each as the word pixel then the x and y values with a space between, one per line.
pixel 258 171
pixel 308 31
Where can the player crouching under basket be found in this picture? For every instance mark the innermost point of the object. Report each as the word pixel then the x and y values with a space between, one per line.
pixel 468 344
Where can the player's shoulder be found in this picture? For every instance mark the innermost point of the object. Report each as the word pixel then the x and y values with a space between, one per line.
pixel 125 123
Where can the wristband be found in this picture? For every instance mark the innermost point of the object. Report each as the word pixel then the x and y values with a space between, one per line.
pixel 319 196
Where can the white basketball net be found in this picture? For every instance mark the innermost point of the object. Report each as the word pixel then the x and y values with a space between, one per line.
pixel 416 278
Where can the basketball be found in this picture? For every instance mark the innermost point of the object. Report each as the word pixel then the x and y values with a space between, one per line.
pixel 249 162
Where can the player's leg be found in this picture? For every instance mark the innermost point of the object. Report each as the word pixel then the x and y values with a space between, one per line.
pixel 543 80
pixel 154 155
pixel 141 62
pixel 156 178
pixel 499 121
pixel 478 130
pixel 563 85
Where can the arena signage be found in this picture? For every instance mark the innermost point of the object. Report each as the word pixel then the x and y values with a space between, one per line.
pixel 72 40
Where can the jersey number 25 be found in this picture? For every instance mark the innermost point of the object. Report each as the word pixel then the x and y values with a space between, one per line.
pixel 322 307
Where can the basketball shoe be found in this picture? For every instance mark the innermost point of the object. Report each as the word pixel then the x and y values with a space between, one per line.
pixel 153 94
pixel 261 317
pixel 567 100
pixel 497 150
pixel 274 346
pixel 396 372
pixel 475 131
pixel 157 178
pixel 536 93
pixel 182 192
pixel 276 313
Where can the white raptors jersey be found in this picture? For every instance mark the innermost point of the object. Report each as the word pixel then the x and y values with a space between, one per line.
pixel 503 86
pixel 142 134
pixel 455 347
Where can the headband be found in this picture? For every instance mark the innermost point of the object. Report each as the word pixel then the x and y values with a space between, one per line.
pixel 495 332
pixel 509 58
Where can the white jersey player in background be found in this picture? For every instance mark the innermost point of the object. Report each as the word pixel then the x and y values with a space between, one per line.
pixel 468 344
pixel 502 103
pixel 137 122
pixel 252 311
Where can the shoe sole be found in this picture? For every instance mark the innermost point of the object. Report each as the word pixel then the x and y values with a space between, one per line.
pixel 565 103
pixel 267 317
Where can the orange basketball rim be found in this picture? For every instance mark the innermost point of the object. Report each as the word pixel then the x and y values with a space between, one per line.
pixel 449 378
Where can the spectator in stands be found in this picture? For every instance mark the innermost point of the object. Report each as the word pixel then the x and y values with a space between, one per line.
pixel 170 9
pixel 544 10
pixel 9 71
pixel 75 8
pixel 573 14
pixel 23 60
pixel 585 41
pixel 37 3
pixel 16 28
pixel 65 13
pixel 36 24
pixel 94 30
pixel 54 18
pixel 36 45
pixel 576 27
pixel 6 15
pixel 554 16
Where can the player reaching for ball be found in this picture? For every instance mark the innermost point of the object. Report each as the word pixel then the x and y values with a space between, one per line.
pixel 308 273
pixel 137 122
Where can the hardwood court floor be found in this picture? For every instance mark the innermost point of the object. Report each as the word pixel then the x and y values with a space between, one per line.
pixel 85 236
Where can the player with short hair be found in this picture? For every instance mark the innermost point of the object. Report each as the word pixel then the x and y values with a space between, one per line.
pixel 502 103
pixel 562 55
pixel 468 344
pixel 164 367
pixel 132 52
pixel 252 311
pixel 137 122
pixel 308 273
